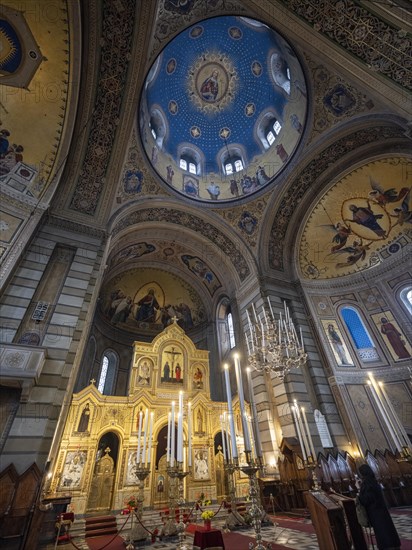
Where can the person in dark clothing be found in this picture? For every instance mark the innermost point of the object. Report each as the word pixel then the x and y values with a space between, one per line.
pixel 371 496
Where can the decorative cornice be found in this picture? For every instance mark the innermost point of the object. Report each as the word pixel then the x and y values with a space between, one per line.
pixel 384 48
pixel 76 227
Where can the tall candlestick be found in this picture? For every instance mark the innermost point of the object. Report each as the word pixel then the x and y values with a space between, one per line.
pixel 265 318
pixel 172 447
pixel 255 420
pixel 230 408
pixel 180 429
pixel 139 435
pixel 298 432
pixel 149 450
pixel 168 448
pixel 305 420
pixel 239 381
pixel 146 424
pixel 189 433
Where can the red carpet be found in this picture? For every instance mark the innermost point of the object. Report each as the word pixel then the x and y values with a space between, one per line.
pixel 108 542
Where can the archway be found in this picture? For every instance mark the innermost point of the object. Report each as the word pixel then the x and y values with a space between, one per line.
pixel 102 485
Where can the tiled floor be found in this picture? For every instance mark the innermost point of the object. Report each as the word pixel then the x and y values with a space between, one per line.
pixel 290 538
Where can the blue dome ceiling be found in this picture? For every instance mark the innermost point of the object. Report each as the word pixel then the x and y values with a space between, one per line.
pixel 223 109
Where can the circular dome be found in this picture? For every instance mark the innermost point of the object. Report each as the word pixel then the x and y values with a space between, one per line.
pixel 223 109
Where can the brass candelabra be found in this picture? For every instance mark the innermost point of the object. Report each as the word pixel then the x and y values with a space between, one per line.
pixel 137 532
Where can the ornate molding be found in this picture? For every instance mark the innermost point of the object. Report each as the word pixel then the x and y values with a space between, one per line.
pixel 117 42
pixel 384 48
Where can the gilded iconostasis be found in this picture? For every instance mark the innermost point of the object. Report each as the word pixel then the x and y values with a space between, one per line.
pixel 363 219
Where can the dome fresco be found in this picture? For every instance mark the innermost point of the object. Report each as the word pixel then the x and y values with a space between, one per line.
pixel 223 109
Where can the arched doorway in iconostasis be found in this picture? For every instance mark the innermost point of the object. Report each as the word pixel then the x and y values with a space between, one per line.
pixel 104 473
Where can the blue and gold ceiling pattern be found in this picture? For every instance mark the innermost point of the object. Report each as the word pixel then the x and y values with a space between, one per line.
pixel 211 98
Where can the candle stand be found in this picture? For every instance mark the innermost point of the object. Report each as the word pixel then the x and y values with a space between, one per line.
pixel 234 518
pixel 311 465
pixel 255 510
pixel 138 532
pixel 181 502
pixel 170 526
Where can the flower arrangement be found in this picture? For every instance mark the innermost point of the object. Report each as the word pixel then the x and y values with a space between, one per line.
pixel 207 514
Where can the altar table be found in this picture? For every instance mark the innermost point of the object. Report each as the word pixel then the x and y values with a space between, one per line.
pixel 208 540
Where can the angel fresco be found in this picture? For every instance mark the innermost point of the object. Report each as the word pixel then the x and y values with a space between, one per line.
pixel 384 196
pixel 357 251
pixel 403 213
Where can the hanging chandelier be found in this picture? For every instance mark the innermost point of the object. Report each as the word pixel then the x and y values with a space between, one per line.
pixel 273 344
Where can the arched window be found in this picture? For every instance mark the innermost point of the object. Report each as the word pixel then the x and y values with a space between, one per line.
pixel 360 336
pixel 406 298
pixel 273 130
pixel 189 164
pixel 232 340
pixel 108 373
pixel 226 331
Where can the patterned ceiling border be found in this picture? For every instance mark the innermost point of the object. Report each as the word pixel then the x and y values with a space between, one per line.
pixel 312 171
pixel 117 42
pixel 194 223
pixel 385 48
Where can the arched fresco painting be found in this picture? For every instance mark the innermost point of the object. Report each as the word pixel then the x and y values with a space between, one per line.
pixel 363 219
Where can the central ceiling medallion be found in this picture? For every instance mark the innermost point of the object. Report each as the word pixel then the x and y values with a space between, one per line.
pixel 212 82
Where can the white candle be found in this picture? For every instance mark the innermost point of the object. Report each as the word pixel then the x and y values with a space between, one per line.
pixel 172 427
pixel 139 435
pixel 247 344
pixel 265 318
pixel 258 443
pixel 180 429
pixel 248 320
pixel 242 403
pixel 302 431
pixel 223 438
pixel 298 432
pixel 384 414
pixel 263 335
pixel 168 446
pixel 226 434
pixel 230 408
pixel 301 339
pixel 397 422
pixel 251 340
pixel 254 313
pixel 189 433
pixel 149 450
pixel 305 420
pixel 271 310
pixel 146 424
